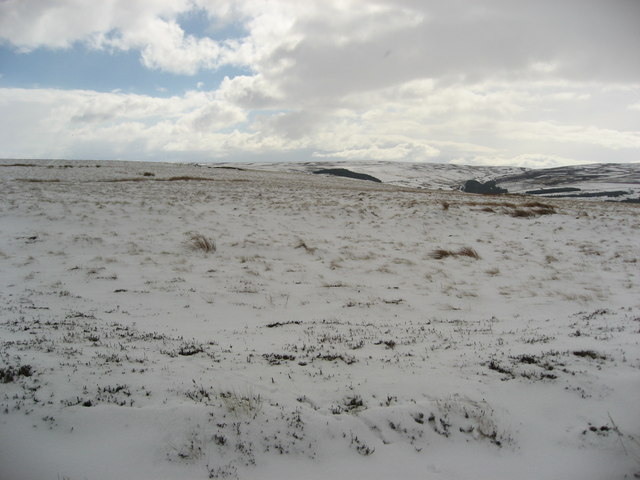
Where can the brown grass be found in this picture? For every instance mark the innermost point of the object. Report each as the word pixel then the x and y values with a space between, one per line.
pixel 441 253
pixel 197 241
pixel 523 210
pixel 533 209
pixel 307 248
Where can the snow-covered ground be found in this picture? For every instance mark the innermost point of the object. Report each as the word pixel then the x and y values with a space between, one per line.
pixel 339 328
pixel 434 176
pixel 624 179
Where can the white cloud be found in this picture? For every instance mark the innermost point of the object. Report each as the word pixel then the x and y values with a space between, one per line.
pixel 354 79
pixel 31 24
pixel 583 134
pixel 54 123
pixel 397 152
pixel 525 160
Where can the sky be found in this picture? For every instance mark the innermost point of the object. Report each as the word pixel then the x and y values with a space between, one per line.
pixel 498 82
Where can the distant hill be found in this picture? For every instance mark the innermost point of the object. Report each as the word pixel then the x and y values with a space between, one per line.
pixel 600 181
pixel 619 181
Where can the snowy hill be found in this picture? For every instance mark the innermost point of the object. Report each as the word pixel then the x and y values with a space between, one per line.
pixel 589 181
pixel 609 181
pixel 162 321
pixel 433 176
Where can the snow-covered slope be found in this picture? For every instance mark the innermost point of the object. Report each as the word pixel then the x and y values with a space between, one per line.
pixel 432 176
pixel 335 328
pixel 621 181
pixel 605 181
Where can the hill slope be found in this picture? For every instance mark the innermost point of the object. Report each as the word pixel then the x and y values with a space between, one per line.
pixel 163 321
pixel 584 179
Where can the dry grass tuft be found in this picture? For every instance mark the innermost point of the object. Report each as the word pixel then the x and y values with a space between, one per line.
pixel 522 213
pixel 468 252
pixel 199 242
pixel 441 253
pixel 302 244
pixel 523 210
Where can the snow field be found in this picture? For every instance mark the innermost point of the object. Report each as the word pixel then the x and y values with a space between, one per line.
pixel 320 339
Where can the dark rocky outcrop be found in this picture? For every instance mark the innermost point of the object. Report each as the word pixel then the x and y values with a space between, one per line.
pixel 487 188
pixel 343 172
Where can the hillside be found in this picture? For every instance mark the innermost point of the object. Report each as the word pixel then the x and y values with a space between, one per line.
pixel 598 181
pixel 162 321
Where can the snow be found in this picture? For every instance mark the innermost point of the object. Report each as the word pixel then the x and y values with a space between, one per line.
pixel 404 174
pixel 321 338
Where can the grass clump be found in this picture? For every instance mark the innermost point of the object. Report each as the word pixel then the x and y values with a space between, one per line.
pixel 302 244
pixel 246 404
pixel 441 253
pixel 10 374
pixel 199 242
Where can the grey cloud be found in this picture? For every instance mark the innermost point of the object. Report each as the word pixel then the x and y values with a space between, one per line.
pixel 459 41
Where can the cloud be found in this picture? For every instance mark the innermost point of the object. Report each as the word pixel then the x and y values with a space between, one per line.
pixel 30 24
pixel 55 123
pixel 148 27
pixel 397 152
pixel 334 47
pixel 583 134
pixel 444 80
pixel 352 49
pixel 533 160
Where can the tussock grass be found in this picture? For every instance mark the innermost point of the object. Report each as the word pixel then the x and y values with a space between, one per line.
pixel 521 210
pixel 441 253
pixel 246 404
pixel 199 242
pixel 302 244
pixel 533 209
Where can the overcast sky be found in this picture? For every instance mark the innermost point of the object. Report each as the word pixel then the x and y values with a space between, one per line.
pixel 503 82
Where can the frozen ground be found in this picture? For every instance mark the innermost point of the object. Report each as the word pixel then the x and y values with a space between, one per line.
pixel 321 339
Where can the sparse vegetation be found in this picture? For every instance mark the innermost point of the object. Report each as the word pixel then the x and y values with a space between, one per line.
pixel 302 244
pixel 304 338
pixel 200 242
pixel 463 252
pixel 246 404
pixel 11 374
